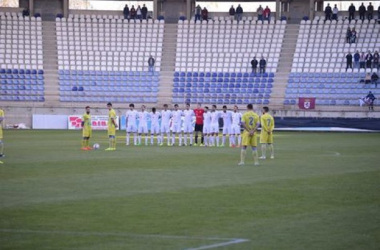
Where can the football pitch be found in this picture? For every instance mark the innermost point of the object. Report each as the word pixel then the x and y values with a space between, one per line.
pixel 322 191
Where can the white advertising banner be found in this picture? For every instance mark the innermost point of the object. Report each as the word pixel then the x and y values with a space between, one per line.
pixel 49 122
pixel 98 122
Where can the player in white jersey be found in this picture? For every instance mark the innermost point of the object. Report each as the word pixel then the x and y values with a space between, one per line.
pixel 207 126
pixel 188 124
pixel 143 125
pixel 236 123
pixel 227 121
pixel 177 122
pixel 131 123
pixel 214 126
pixel 165 124
pixel 155 126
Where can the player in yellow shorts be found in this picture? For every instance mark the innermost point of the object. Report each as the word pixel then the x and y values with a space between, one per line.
pixel 1 135
pixel 111 127
pixel 266 135
pixel 250 122
pixel 86 130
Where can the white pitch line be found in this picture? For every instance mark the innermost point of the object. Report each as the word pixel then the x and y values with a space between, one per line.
pixel 235 241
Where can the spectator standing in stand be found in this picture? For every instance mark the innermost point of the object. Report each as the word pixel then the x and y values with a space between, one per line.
pixel 335 13
pixel 371 99
pixel 254 63
pixel 144 12
pixel 362 11
pixel 353 35
pixel 25 12
pixel 362 60
pixel 263 64
pixel 232 12
pixel 378 14
pixel 376 58
pixel 239 13
pixel 348 35
pixel 370 11
pixel 328 12
pixel 132 12
pixel 138 12
pixel 267 14
pixel 349 61
pixel 151 63
pixel 351 11
pixel 198 11
pixel 126 12
pixel 356 59
pixel 204 14
pixel 368 59
pixel 260 12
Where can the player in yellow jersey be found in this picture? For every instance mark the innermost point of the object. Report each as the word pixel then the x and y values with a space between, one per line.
pixel 111 127
pixel 86 129
pixel 266 135
pixel 1 135
pixel 250 122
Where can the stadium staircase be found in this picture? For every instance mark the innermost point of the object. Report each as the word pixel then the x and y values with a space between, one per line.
pixel 50 63
pixel 167 64
pixel 285 65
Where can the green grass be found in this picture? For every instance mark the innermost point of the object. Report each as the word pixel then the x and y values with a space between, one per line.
pixel 54 196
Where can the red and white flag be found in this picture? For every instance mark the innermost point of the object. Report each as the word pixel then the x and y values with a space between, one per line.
pixel 306 103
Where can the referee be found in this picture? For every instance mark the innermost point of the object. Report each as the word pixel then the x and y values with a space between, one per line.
pixel 198 123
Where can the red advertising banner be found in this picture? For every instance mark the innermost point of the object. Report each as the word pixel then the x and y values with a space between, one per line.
pixel 306 103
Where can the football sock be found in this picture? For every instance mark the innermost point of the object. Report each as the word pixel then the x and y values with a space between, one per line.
pixel 255 155
pixel 205 141
pixel 217 140
pixel 146 139
pixel 232 139
pixel 110 143
pixel 202 139
pixel 168 137
pixel 135 138
pixel 196 139
pixel 173 139
pixel 127 139
pixel 180 139
pixel 114 142
pixel 242 155
pixel 263 150
pixel 191 139
pixel 224 139
pixel 151 139
pixel 139 139
pixel 159 139
pixel 271 149
pixel 1 148
pixel 239 140
pixel 185 141
pixel 83 143
pixel 162 137
pixel 88 143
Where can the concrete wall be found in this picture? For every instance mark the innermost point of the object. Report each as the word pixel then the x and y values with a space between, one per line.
pixel 48 8
pixel 172 9
pixel 298 9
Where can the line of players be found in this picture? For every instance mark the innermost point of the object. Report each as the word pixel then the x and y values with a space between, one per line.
pixel 207 122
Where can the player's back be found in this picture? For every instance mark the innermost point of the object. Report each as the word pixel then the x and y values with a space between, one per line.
pixel 251 119
pixel 267 121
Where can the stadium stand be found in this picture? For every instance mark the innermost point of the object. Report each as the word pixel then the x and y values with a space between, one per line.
pixel 213 61
pixel 104 58
pixel 21 58
pixel 319 64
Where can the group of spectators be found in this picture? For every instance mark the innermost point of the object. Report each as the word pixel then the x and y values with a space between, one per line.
pixel 262 65
pixel 363 60
pixel 351 35
pixel 364 12
pixel 132 13
pixel 201 14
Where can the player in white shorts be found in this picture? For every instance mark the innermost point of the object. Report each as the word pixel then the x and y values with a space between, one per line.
pixel 188 124
pixel 227 121
pixel 143 125
pixel 165 124
pixel 214 126
pixel 206 126
pixel 176 124
pixel 155 126
pixel 131 126
pixel 236 123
